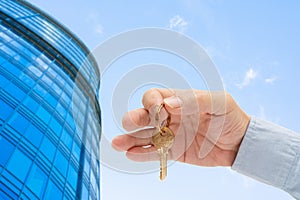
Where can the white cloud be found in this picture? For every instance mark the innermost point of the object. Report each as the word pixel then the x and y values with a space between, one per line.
pixel 93 19
pixel 178 23
pixel 250 75
pixel 99 29
pixel 271 80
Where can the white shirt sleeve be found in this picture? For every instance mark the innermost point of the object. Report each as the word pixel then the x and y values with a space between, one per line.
pixel 271 154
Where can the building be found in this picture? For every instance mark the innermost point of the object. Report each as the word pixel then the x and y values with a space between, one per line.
pixel 50 120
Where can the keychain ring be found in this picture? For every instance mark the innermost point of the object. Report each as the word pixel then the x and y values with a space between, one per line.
pixel 166 122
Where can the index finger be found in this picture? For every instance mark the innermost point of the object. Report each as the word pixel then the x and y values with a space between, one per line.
pixel 155 96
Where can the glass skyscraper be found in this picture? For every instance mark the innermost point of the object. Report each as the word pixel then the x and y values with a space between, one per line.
pixel 50 120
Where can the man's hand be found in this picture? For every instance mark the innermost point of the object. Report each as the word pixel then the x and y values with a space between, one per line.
pixel 209 127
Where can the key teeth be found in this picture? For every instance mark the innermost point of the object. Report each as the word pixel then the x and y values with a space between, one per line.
pixel 163 173
pixel 162 177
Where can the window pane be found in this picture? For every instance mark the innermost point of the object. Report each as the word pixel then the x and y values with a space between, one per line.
pixel 52 192
pixel 70 121
pixel 6 193
pixel 43 114
pixel 84 193
pixel 27 80
pixel 19 122
pixel 5 110
pixel 47 148
pixel 47 80
pixel 93 181
pixel 51 100
pixel 51 72
pixel 67 139
pixel 7 50
pixel 40 90
pixel 72 177
pixel 35 71
pixel 19 164
pixel 61 163
pixel 22 60
pixel 5 150
pixel 12 68
pixel 76 151
pixel 15 91
pixel 37 181
pixel 34 135
pixel 65 98
pixel 56 88
pixel 61 110
pixel 31 104
pixel 55 126
pixel 3 81
pixel 87 167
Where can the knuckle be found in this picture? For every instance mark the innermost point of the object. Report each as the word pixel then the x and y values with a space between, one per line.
pixel 149 94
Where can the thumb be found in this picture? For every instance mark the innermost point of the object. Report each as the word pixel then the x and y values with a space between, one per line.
pixel 184 102
pixel 174 103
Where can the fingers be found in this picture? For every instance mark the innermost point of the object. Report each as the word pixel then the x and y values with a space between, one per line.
pixel 140 118
pixel 178 102
pixel 137 139
pixel 137 145
pixel 146 116
pixel 184 102
pixel 155 97
pixel 141 154
pixel 136 119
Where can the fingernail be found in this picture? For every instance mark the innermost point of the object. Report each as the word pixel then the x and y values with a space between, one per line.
pixel 173 102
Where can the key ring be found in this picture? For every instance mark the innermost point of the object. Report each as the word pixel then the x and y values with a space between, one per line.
pixel 166 122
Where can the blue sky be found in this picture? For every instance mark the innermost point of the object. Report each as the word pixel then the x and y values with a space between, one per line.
pixel 255 47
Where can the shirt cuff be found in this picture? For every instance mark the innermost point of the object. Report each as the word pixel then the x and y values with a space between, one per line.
pixel 270 153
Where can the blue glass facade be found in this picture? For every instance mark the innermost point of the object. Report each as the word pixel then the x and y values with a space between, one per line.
pixel 50 121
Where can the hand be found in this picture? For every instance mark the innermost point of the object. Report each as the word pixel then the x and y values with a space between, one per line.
pixel 208 127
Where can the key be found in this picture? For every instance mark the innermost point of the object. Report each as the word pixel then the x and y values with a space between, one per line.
pixel 163 141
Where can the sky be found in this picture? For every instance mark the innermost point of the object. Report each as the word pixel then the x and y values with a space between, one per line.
pixel 255 48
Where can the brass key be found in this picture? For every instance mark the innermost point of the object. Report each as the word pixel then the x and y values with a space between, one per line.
pixel 163 141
